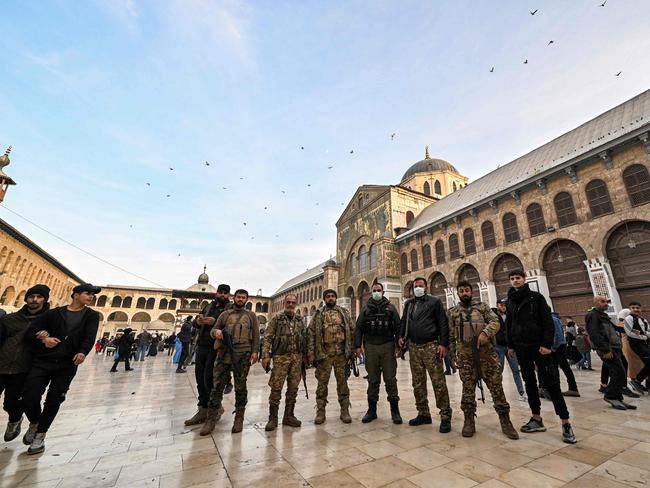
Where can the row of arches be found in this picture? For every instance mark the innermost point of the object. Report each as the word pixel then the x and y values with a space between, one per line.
pixel 637 184
pixel 141 302
pixel 312 293
pixel 363 260
pixel 563 261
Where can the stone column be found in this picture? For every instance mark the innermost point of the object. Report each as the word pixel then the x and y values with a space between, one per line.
pixel 536 279
pixel 393 291
pixel 488 292
pixel 602 281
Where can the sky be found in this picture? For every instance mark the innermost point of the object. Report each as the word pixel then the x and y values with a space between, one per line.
pixel 100 99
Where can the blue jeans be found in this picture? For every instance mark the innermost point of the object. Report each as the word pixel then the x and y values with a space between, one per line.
pixel 502 352
pixel 142 352
pixel 585 361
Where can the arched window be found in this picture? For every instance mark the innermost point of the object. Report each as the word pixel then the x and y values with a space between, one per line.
pixel 248 306
pixel 409 217
pixel 258 307
pixel 598 198
pixel 162 305
pixel 426 189
pixel 454 248
pixel 510 229
pixel 373 256
pixel 172 304
pixel 535 216
pixel 126 303
pixel 404 263
pixel 352 265
pixel 426 256
pixel 564 209
pixel 637 184
pixel 437 188
pixel 363 259
pixel 141 303
pixel 440 251
pixel 487 232
pixel 470 242
pixel 414 260
pixel 454 186
pixel 116 302
pixel 265 308
pixel 150 303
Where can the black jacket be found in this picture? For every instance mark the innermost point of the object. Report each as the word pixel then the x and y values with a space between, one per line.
pixel 602 332
pixel 72 342
pixel 528 319
pixel 213 309
pixel 15 355
pixel 378 323
pixel 185 334
pixel 502 336
pixel 426 319
pixel 125 344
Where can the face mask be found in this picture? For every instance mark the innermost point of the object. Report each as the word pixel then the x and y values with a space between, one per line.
pixel 418 291
pixel 376 295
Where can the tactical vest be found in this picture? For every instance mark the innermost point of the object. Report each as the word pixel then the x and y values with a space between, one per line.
pixel 289 335
pixel 470 323
pixel 239 326
pixel 333 327
pixel 380 323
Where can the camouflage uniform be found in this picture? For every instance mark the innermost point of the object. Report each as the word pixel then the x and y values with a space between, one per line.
pixel 330 342
pixel 464 324
pixel 423 358
pixel 284 338
pixel 244 330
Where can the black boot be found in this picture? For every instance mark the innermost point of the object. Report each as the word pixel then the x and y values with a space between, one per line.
pixel 394 412
pixel 420 420
pixel 371 414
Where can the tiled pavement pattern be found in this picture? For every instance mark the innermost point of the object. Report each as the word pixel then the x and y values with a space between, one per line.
pixel 126 430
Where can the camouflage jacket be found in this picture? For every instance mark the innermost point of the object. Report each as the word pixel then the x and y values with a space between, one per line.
pixel 467 322
pixel 315 344
pixel 285 334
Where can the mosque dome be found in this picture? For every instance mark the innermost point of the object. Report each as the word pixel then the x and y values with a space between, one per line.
pixel 203 278
pixel 428 165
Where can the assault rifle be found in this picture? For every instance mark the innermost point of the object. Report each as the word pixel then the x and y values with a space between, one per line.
pixel 476 360
pixel 303 363
pixel 227 341
pixel 351 367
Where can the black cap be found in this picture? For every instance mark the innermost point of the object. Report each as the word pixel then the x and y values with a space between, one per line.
pixel 503 301
pixel 328 291
pixel 224 288
pixel 42 290
pixel 86 287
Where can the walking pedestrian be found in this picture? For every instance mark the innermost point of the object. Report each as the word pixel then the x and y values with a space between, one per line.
pixel 583 346
pixel 530 336
pixel 638 333
pixel 501 348
pixel 16 356
pixel 62 338
pixel 424 325
pixel 143 342
pixel 607 342
pixel 560 357
pixel 329 346
pixel 185 337
pixel 205 352
pixel 284 344
pixel 123 346
pixel 472 328
pixel 377 330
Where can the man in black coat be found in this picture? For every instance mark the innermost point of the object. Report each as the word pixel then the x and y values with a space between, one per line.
pixel 124 346
pixel 61 337
pixel 16 357
pixel 530 330
pixel 205 352
pixel 185 336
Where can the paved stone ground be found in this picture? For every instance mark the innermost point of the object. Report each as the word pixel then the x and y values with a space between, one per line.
pixel 126 430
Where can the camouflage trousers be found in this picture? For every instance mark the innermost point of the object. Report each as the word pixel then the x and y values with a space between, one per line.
pixel 490 373
pixel 380 360
pixel 423 359
pixel 223 366
pixel 285 366
pixel 324 368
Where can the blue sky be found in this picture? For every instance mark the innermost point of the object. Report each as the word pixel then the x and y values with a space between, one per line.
pixel 99 98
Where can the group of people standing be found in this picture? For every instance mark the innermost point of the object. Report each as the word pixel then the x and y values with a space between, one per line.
pixel 477 339
pixel 41 348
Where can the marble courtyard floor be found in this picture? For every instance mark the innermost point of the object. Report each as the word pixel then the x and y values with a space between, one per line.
pixel 126 430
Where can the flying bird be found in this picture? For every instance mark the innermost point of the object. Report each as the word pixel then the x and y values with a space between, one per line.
pixel 308 184
pixel 224 187
pixel 533 12
pixel 526 62
pixel 492 69
pixel 351 151
pixel 241 177
pixel 265 208
pixel 618 74
pixel 284 192
pixel 179 254
pixel 603 4
pixel 207 164
pixel 171 169
pixel 392 136
pixel 148 184
pixel 168 195
pixel 550 42
pixel 244 223
pixel 330 167
pixel 302 147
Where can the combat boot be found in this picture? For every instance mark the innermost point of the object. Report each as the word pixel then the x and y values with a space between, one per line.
pixel 238 424
pixel 469 427
pixel 371 414
pixel 289 418
pixel 272 424
pixel 394 412
pixel 345 413
pixel 199 417
pixel 320 411
pixel 506 426
pixel 212 417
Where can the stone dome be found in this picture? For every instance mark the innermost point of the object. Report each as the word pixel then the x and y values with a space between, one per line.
pixel 204 279
pixel 427 165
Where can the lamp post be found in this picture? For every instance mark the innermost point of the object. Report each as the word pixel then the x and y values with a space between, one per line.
pixel 5 180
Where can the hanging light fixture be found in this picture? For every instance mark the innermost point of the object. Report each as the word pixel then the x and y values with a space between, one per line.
pixel 630 242
pixel 560 258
